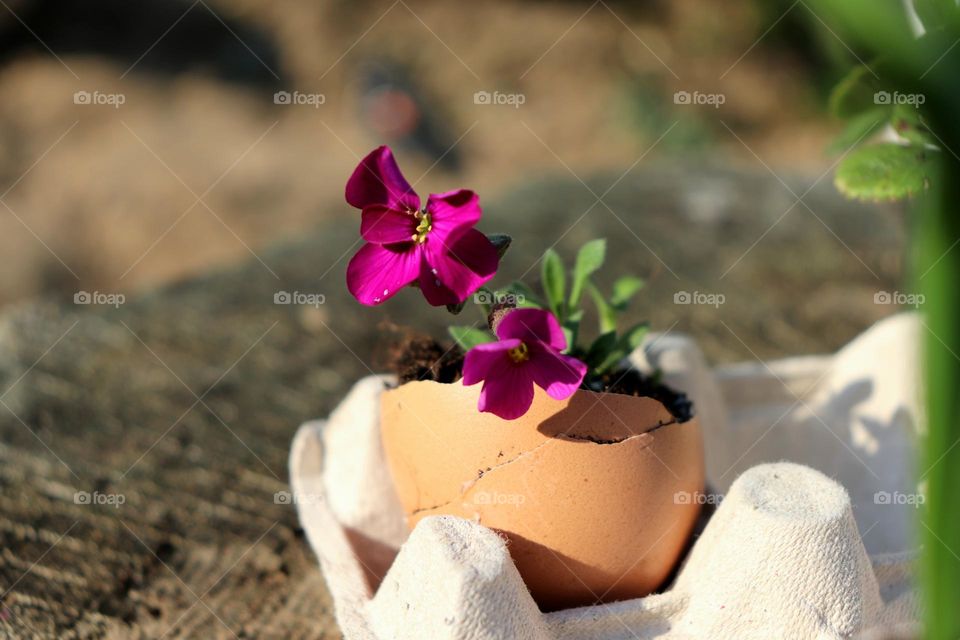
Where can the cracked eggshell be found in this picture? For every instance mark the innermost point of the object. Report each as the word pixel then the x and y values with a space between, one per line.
pixel 594 493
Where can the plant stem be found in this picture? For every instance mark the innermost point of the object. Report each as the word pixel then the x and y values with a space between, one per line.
pixel 940 281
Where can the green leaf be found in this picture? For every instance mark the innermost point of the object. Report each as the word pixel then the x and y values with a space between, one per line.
pixel 572 324
pixel 589 259
pixel 613 359
pixel 554 282
pixel 523 295
pixel 634 336
pixel 884 172
pixel 855 93
pixel 607 313
pixel 469 337
pixel 600 348
pixel 932 13
pixel 484 299
pixel 623 290
pixel 609 349
pixel 501 241
pixel 859 128
pixel 909 125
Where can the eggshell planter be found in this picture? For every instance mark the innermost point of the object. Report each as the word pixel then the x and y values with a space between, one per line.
pixel 593 493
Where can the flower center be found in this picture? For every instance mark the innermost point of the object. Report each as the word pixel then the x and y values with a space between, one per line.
pixel 519 354
pixel 423 228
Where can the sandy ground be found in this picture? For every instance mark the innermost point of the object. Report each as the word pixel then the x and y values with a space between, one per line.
pixel 199 167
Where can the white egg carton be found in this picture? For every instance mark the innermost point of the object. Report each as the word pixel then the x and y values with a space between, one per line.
pixel 812 540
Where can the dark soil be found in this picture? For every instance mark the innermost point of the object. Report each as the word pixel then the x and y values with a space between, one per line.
pixel 423 358
pixel 631 382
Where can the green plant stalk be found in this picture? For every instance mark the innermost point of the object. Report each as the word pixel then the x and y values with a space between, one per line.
pixel 939 227
pixel 939 257
pixel 929 66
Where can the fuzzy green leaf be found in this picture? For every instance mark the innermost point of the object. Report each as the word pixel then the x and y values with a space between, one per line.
pixel 469 337
pixel 589 259
pixel 884 172
pixel 623 290
pixel 554 282
pixel 855 93
pixel 909 125
pixel 859 128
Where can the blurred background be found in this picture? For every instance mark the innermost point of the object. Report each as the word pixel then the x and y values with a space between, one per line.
pixel 168 168
pixel 145 143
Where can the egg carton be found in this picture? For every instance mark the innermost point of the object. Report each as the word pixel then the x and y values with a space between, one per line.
pixel 809 459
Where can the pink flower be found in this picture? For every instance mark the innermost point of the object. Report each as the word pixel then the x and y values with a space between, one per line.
pixel 528 353
pixel 436 245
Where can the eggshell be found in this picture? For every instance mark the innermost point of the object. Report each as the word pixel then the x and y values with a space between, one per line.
pixel 594 493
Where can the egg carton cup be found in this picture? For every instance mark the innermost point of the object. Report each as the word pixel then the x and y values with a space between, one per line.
pixel 809 459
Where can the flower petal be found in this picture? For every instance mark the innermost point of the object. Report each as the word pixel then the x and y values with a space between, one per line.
pixel 532 325
pixel 555 373
pixel 382 225
pixel 377 181
pixel 482 360
pixel 377 272
pixel 507 390
pixel 452 211
pixel 455 270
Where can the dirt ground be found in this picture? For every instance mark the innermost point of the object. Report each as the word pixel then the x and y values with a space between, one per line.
pixel 184 400
pixel 192 154
pixel 199 167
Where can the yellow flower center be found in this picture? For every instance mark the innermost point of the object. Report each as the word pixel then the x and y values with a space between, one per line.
pixel 519 354
pixel 423 228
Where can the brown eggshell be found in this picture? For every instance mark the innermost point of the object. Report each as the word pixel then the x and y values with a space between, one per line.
pixel 584 489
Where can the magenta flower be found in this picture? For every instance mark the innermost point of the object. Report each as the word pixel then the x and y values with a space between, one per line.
pixel 528 353
pixel 436 245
